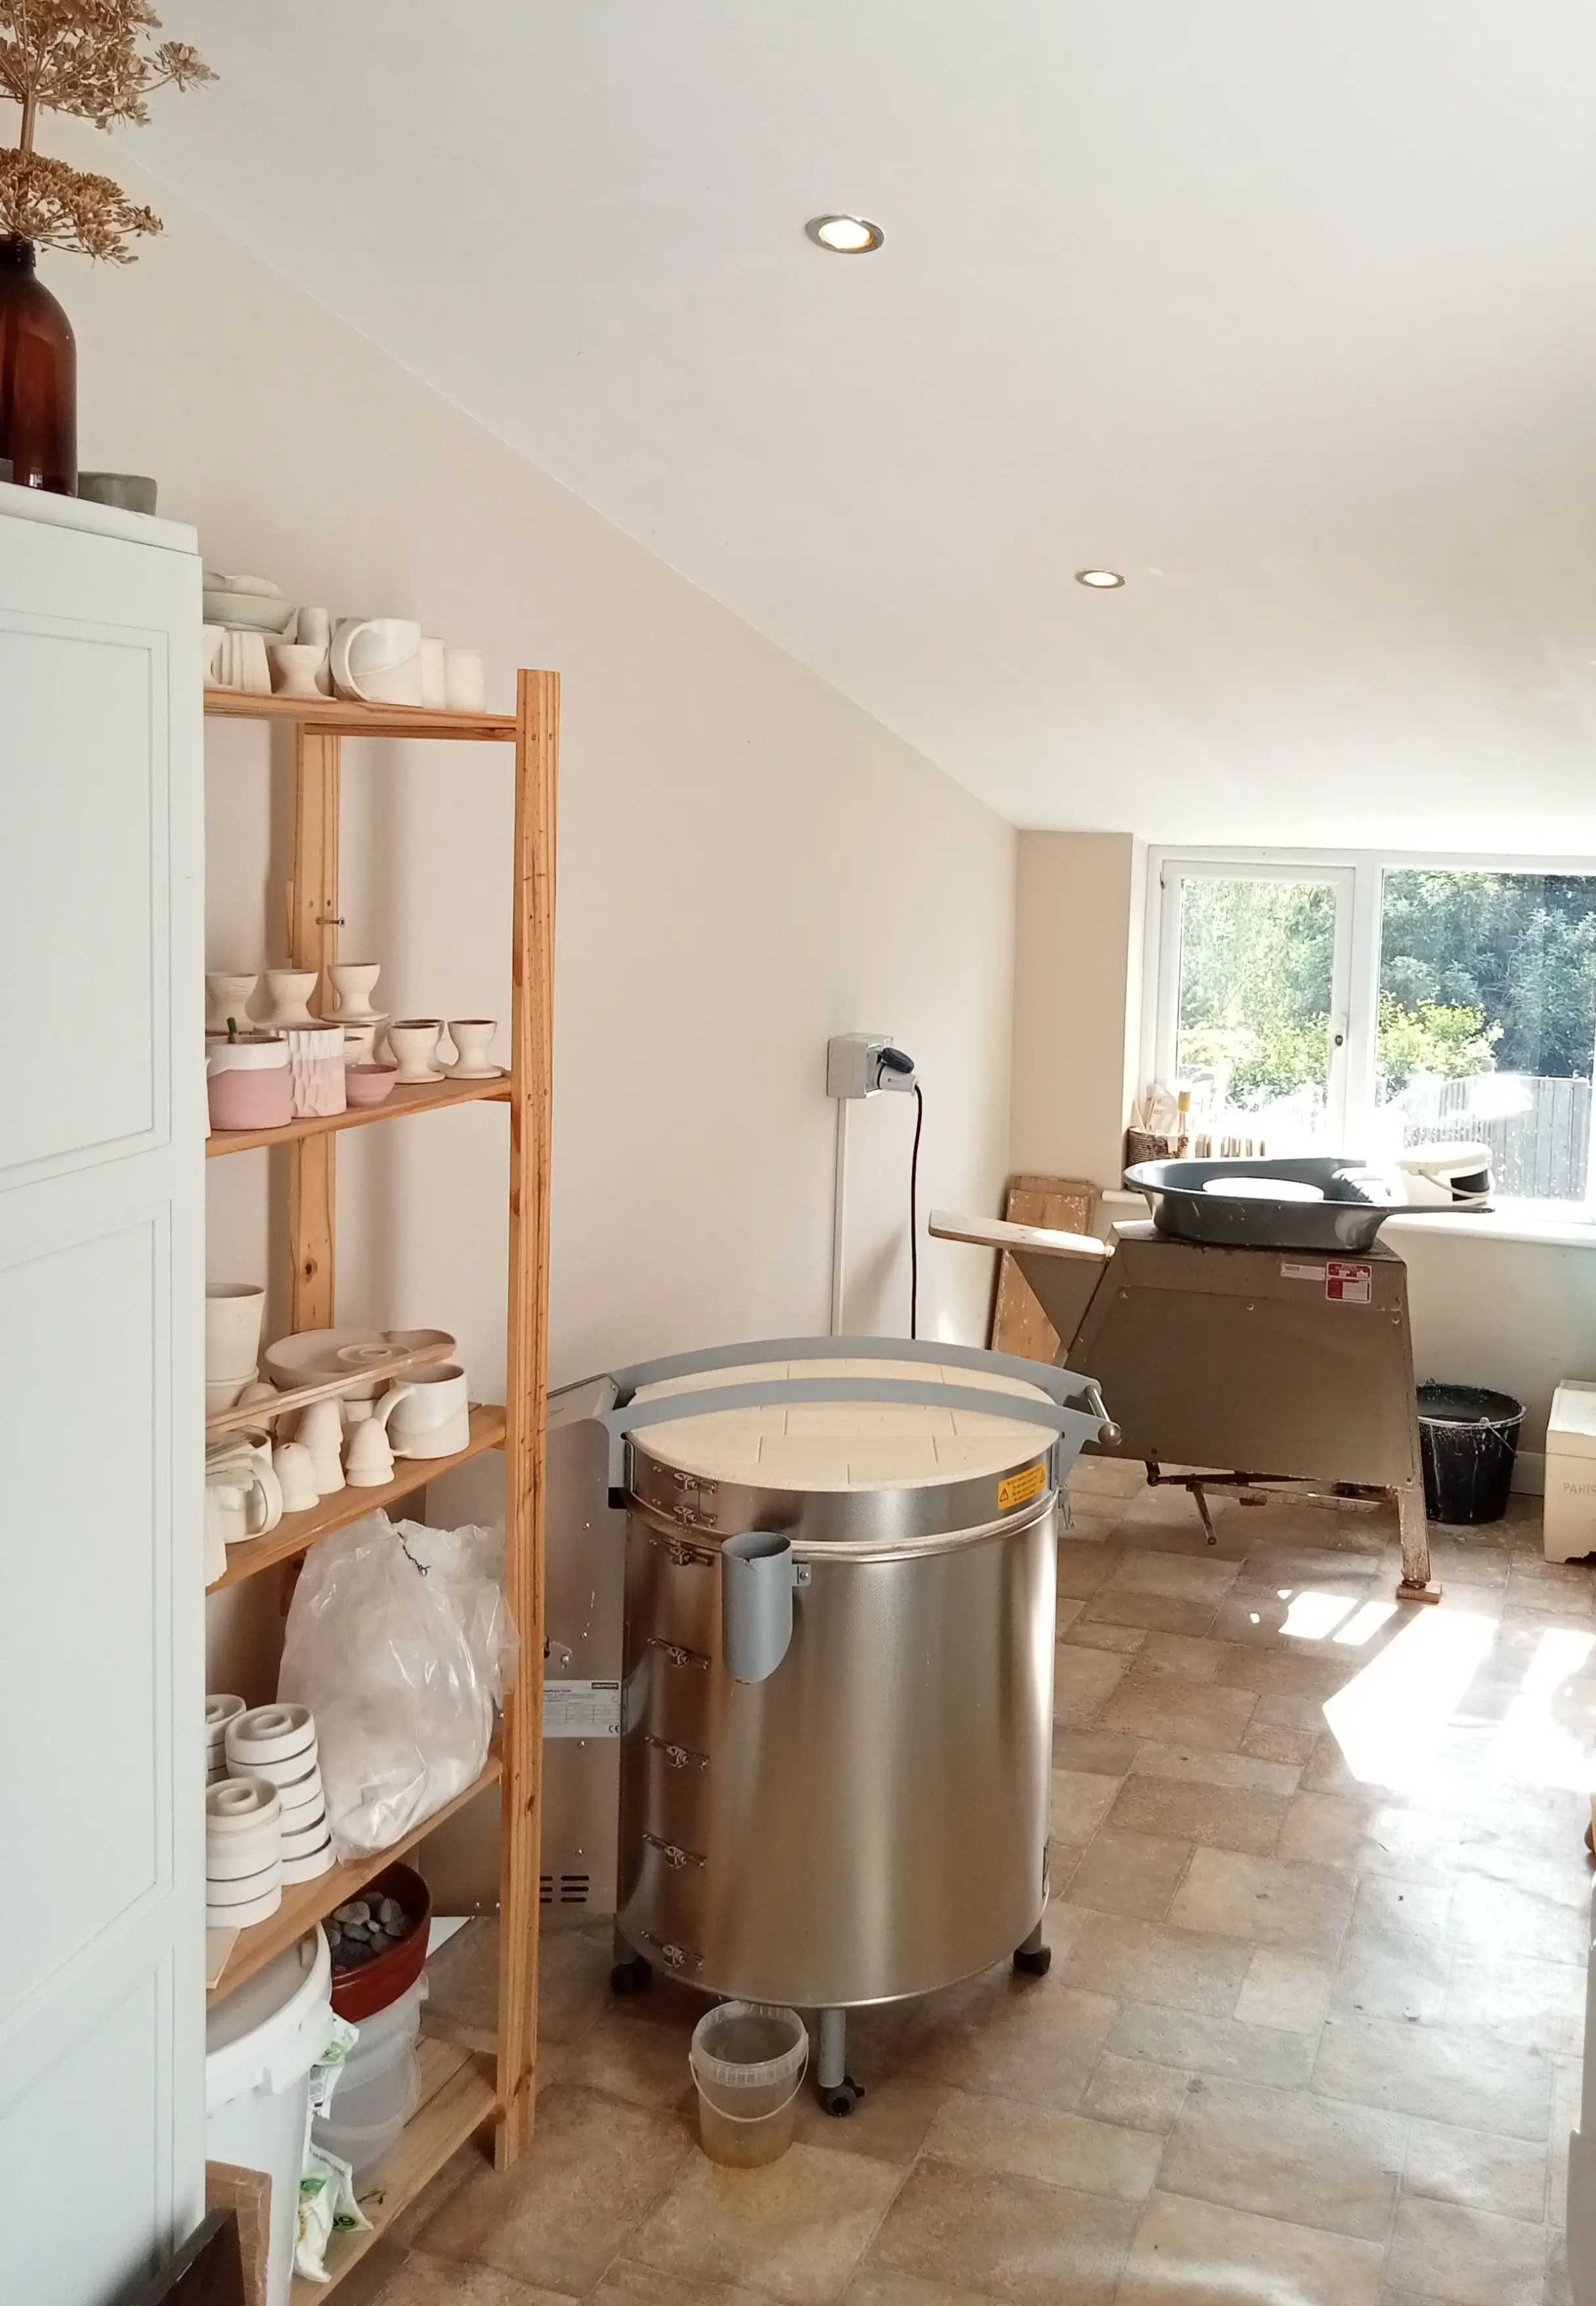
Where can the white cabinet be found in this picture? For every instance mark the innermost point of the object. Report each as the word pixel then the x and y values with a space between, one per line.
pixel 101 1366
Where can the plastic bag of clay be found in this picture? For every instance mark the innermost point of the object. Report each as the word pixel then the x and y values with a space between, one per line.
pixel 376 1649
pixel 327 2205
pixel 468 1565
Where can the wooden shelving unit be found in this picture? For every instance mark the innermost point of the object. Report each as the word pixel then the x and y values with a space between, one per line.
pixel 463 2089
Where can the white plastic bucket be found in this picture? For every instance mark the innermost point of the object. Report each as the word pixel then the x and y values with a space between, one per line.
pixel 260 2045
pixel 378 2089
pixel 747 2060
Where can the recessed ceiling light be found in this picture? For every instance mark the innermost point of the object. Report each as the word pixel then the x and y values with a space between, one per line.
pixel 1101 580
pixel 845 236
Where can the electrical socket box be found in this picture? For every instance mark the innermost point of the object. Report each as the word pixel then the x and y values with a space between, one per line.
pixel 853 1066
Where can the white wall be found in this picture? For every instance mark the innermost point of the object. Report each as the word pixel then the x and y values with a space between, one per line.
pixel 1077 1002
pixel 747 862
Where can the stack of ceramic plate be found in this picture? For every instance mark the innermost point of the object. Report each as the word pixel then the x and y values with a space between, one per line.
pixel 278 1743
pixel 218 1711
pixel 244 1856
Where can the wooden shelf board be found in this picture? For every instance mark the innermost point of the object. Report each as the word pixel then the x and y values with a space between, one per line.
pixel 457 2098
pixel 296 1533
pixel 339 716
pixel 405 1098
pixel 308 1902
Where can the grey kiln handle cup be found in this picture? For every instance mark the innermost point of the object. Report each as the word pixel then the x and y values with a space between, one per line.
pixel 758 1576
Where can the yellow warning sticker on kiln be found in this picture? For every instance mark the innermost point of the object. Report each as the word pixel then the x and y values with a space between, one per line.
pixel 1019 1489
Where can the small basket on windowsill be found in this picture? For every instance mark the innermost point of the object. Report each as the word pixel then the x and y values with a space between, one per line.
pixel 1143 1145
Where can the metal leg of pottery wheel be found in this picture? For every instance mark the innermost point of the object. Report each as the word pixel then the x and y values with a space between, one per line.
pixel 1417 1583
pixel 630 1972
pixel 1033 1958
pixel 834 2086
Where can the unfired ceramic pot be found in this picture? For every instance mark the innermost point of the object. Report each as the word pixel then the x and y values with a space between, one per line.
pixel 247 1081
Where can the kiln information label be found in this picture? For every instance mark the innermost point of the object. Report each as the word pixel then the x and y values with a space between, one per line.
pixel 1019 1489
pixel 1302 1272
pixel 581 1709
pixel 1348 1284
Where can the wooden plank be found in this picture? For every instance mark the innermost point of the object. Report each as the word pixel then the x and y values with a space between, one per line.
pixel 296 1533
pixel 456 2099
pixel 342 716
pixel 404 1100
pixel 247 2193
pixel 1060 1205
pixel 532 1034
pixel 306 1903
pixel 313 943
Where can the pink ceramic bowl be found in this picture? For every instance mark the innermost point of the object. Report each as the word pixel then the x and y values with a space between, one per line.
pixel 369 1084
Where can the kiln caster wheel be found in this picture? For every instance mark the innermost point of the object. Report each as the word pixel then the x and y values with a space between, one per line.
pixel 634 1977
pixel 1033 1961
pixel 841 2098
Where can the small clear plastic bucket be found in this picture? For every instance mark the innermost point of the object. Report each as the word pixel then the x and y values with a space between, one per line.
pixel 747 2060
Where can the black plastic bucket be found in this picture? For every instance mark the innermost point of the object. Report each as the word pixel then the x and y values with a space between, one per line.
pixel 1468 1437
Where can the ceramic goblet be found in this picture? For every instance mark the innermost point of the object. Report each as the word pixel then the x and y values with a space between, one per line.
pixel 353 982
pixel 414 1041
pixel 294 666
pixel 291 991
pixel 228 994
pixel 473 1038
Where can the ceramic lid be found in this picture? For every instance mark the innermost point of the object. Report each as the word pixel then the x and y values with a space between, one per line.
pixel 842 1445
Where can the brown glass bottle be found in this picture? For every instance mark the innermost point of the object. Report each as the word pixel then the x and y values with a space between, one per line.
pixel 38 379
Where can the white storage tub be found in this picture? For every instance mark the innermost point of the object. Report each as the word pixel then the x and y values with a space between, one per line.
pixel 1570 1516
pixel 378 2089
pixel 260 2045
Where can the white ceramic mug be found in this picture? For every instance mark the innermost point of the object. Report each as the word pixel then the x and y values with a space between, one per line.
pixel 242 1498
pixel 378 659
pixel 233 1314
pixel 463 683
pixel 434 690
pixel 295 1469
pixel 435 1420
pixel 414 1041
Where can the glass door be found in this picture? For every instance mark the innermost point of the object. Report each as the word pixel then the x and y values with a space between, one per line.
pixel 1254 1000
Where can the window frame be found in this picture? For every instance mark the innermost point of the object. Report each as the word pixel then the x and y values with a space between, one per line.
pixel 1358 874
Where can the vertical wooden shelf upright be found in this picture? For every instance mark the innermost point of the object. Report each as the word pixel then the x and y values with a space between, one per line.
pixel 459 2092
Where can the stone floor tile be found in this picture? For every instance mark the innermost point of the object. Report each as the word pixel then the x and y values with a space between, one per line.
pixel 1183 1714
pixel 1192 1763
pixel 879 2285
pixel 1090 1633
pixel 1065 1612
pixel 1390 1972
pixel 1290 1991
pixel 1038 2039
pixel 1182 1576
pixel 424 2280
pixel 1136 2094
pixel 1222 2047
pixel 1264 1901
pixel 1275 1672
pixel 1095 1752
pixel 571 2202
pixel 1063 2149
pixel 627 2284
pixel 891 2120
pixel 1470 2258
pixel 1165 1613
pixel 1286 2154
pixel 1477 2170
pixel 1538 2003
pixel 1566 2073
pixel 1147 1961
pixel 1083 1681
pixel 1467 2080
pixel 1189 2253
pixel 1027 2243
pixel 1182 1656
pixel 1272 1742
pixel 795 2229
pixel 1082 1566
pixel 1080 1802
pixel 1225 1817
pixel 1558 2289
pixel 630 2054
pixel 573 1983
pixel 1488 1915
pixel 1132 1874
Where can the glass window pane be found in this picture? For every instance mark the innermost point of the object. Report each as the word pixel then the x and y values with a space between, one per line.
pixel 1253 1029
pixel 1488 1021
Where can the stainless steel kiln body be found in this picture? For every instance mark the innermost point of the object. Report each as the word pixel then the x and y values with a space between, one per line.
pixel 870 1822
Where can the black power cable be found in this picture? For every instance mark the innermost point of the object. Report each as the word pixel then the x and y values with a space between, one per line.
pixel 914 1222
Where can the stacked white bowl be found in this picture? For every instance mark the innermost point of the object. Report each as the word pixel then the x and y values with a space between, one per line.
pixel 244 1856
pixel 219 1711
pixel 278 1743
